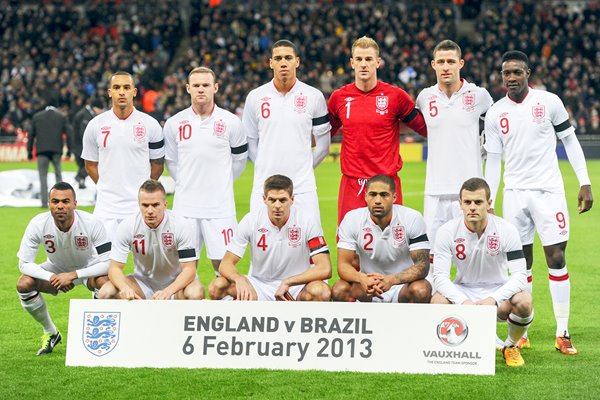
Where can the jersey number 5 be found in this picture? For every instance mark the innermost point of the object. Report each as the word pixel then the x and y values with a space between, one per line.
pixel 433 110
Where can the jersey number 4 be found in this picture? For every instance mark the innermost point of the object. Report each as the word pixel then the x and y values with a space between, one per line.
pixel 262 242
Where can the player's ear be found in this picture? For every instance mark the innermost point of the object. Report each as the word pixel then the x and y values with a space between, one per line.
pixel 216 87
pixel 378 61
pixel 188 88
pixel 461 63
pixel 134 91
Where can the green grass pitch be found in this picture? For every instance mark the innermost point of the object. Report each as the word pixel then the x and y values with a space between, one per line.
pixel 546 375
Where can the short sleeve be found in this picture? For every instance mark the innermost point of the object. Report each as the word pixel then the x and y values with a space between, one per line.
pixel 347 233
pixel 320 122
pixel 242 236
pixel 90 144
pixel 249 121
pixel 170 136
pixel 121 244
pixel 157 142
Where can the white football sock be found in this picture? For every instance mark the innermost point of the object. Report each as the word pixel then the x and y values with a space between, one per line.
pixel 560 289
pixel 35 305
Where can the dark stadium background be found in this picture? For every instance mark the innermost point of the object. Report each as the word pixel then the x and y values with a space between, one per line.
pixel 62 52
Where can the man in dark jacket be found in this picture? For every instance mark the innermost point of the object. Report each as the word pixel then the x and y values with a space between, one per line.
pixel 80 121
pixel 47 129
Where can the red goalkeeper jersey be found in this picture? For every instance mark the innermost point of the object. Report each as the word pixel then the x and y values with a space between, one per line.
pixel 371 123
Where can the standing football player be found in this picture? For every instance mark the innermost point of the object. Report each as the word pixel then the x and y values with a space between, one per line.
pixel 281 118
pixel 453 110
pixel 122 147
pixel 523 127
pixel 206 150
pixel 370 112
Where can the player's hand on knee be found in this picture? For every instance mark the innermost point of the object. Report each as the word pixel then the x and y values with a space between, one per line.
pixel 244 289
pixel 129 294
pixel 281 292
pixel 63 280
pixel 161 295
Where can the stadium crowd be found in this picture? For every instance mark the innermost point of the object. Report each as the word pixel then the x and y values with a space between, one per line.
pixel 62 53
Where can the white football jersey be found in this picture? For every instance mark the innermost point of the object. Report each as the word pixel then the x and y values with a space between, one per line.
pixel 283 126
pixel 453 145
pixel 123 149
pixel 203 152
pixel 526 133
pixel 85 243
pixel 479 261
pixel 157 253
pixel 276 253
pixel 388 251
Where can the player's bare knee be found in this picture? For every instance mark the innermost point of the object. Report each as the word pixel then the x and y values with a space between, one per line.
pixel 195 293
pixel 522 304
pixel 107 291
pixel 315 291
pixel 555 256
pixel 26 284
pixel 340 291
pixel 419 291
pixel 217 289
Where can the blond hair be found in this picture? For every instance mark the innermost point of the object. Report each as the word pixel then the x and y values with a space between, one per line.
pixel 365 42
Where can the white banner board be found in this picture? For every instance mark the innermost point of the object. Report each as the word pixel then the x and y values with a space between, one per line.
pixel 411 338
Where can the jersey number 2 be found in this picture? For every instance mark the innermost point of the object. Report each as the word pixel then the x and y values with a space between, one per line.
pixel 368 238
